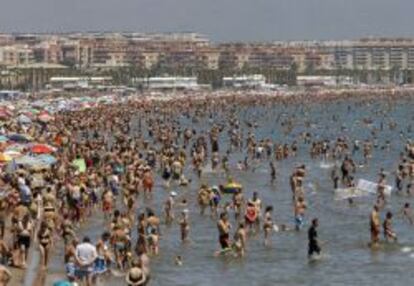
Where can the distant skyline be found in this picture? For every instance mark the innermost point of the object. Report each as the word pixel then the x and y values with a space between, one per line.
pixel 219 20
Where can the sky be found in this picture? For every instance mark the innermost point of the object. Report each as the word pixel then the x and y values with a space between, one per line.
pixel 219 20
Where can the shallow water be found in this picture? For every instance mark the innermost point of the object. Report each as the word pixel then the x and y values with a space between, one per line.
pixel 346 261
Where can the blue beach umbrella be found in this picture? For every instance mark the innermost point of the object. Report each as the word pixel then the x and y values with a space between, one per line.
pixel 47 159
pixel 23 119
pixel 28 161
pixel 19 138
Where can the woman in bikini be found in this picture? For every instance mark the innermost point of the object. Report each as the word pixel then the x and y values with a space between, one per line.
pixel 44 237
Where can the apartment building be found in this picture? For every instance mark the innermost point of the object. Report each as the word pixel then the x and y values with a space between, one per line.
pixel 187 51
pixel 109 51
pixel 6 40
pixel 208 58
pixel 48 52
pixel 16 55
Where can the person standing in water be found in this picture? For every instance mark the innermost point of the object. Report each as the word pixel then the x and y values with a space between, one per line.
pixel 300 207
pixel 267 225
pixel 168 208
pixel 375 226
pixel 240 240
pixel 224 226
pixel 313 246
pixel 389 233
pixel 257 203
pixel 335 177
pixel 184 226
pixel 381 189
pixel 272 172
pixel 407 213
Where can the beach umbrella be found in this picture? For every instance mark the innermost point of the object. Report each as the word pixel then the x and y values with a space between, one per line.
pixel 44 117
pixel 39 104
pixel 12 153
pixel 5 158
pixel 16 147
pixel 84 99
pixel 24 119
pixel 4 115
pixel 28 161
pixel 21 138
pixel 86 105
pixel 80 165
pixel 47 159
pixel 42 149
pixel 6 110
pixel 32 111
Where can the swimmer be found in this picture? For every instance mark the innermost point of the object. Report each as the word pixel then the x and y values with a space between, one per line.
pixel 239 244
pixel 300 208
pixel 313 246
pixel 268 224
pixel 272 172
pixel 168 208
pixel 389 234
pixel 407 213
pixel 381 189
pixel 184 226
pixel 203 198
pixel 238 203
pixel 223 226
pixel 178 261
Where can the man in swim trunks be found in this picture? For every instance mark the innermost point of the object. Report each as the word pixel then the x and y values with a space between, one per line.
pixel 85 257
pixel 224 226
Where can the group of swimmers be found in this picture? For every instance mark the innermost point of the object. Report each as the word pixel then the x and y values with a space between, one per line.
pixel 124 161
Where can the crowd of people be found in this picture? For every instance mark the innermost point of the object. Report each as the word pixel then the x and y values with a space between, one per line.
pixel 110 156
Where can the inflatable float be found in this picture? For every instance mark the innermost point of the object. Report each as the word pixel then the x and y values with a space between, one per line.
pixel 232 188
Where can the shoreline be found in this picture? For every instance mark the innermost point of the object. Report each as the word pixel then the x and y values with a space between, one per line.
pixel 95 100
pixel 261 98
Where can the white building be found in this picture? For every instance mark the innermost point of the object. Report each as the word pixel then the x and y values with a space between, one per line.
pixel 78 82
pixel 318 80
pixel 171 83
pixel 245 81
